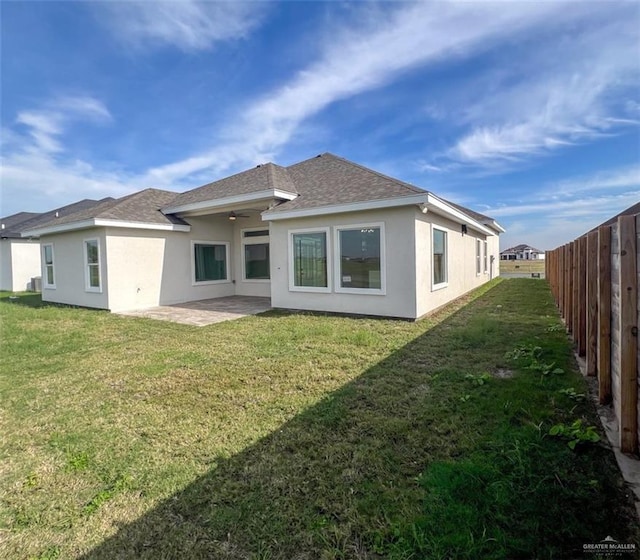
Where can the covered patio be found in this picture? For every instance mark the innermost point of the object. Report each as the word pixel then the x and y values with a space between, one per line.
pixel 206 312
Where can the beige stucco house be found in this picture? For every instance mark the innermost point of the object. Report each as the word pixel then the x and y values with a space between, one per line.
pixel 325 234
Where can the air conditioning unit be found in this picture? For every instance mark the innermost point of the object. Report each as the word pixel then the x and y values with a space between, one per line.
pixel 36 284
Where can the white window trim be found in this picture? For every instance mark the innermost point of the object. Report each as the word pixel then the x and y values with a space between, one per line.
pixel 195 242
pixel 478 256
pixel 254 241
pixel 444 284
pixel 45 283
pixel 291 259
pixel 485 262
pixel 87 287
pixel 337 257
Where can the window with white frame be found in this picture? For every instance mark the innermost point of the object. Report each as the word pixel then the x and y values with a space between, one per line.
pixel 255 254
pixel 92 265
pixel 439 251
pixel 48 261
pixel 360 258
pixel 309 265
pixel 486 257
pixel 210 261
pixel 478 256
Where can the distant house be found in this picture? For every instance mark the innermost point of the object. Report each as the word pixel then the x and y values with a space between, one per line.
pixel 20 256
pixel 325 234
pixel 521 253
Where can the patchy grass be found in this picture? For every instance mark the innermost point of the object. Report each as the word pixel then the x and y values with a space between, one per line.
pixel 300 436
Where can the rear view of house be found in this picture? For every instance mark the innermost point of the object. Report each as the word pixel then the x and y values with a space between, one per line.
pixel 325 234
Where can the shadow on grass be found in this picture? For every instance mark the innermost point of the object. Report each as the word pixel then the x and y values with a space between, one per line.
pixel 344 479
pixel 26 299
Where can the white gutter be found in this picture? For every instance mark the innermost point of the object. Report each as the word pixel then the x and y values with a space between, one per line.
pixel 214 203
pixel 270 215
pixel 97 222
pixel 427 202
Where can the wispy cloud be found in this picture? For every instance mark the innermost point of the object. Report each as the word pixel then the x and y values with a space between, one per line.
pixel 34 158
pixel 47 123
pixel 186 24
pixel 358 59
pixel 559 101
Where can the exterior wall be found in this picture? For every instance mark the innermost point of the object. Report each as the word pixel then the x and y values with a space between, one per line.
pixel 399 299
pixel 149 268
pixel 69 269
pixel 461 261
pixel 6 280
pixel 19 263
pixel 259 288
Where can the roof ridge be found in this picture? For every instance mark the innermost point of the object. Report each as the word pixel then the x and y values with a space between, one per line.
pixel 369 170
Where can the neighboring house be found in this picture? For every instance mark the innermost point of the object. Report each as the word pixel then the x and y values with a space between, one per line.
pixel 20 256
pixel 521 253
pixel 324 234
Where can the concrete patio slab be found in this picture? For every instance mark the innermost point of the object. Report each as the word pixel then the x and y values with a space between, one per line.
pixel 206 311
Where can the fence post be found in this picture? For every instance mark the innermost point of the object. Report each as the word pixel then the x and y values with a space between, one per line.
pixel 567 280
pixel 628 335
pixel 574 288
pixel 582 297
pixel 592 303
pixel 604 314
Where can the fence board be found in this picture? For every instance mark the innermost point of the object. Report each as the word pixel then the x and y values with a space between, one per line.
pixel 582 295
pixel 604 314
pixel 628 335
pixel 592 303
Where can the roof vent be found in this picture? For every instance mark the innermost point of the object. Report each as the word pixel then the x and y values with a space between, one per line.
pixel 57 214
pixel 259 165
pixel 319 155
pixel 2 226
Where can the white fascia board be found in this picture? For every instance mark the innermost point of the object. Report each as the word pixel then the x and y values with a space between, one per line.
pixel 350 207
pixel 495 225
pixel 93 222
pixel 441 207
pixel 229 200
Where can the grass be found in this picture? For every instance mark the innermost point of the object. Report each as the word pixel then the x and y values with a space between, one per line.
pixel 524 266
pixel 300 436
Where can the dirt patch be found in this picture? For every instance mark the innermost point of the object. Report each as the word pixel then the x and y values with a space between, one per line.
pixel 503 373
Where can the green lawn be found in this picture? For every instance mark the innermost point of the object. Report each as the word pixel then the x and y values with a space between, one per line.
pixel 300 436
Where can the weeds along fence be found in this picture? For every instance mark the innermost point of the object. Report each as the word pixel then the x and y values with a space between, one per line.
pixel 594 280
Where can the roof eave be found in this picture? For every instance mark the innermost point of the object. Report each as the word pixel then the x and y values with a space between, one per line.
pixel 270 215
pixel 439 206
pixel 220 203
pixel 98 222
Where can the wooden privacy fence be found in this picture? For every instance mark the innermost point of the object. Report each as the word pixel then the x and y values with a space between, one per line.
pixel 594 281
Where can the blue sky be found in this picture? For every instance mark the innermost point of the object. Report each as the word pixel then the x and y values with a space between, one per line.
pixel 526 111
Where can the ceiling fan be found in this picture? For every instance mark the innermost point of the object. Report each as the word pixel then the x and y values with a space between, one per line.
pixel 233 216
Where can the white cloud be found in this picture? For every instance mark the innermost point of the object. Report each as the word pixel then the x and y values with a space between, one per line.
pixel 558 100
pixel 357 60
pixel 186 24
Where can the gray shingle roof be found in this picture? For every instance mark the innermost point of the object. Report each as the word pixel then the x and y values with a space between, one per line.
pixel 327 180
pixel 521 247
pixel 143 206
pixel 15 228
pixel 264 177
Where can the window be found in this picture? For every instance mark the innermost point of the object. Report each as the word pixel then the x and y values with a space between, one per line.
pixel 210 262
pixel 486 257
pixel 309 270
pixel 478 256
pixel 49 273
pixel 360 254
pixel 92 265
pixel 440 274
pixel 255 254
